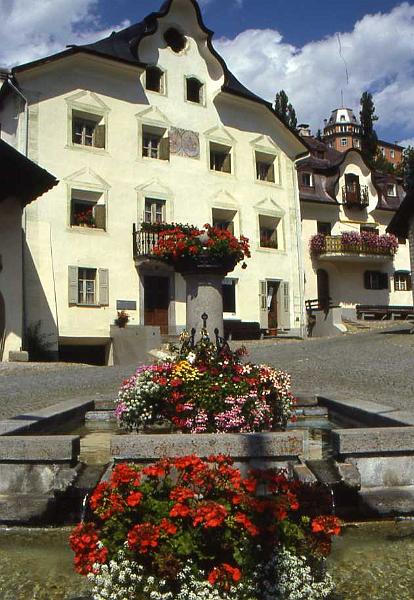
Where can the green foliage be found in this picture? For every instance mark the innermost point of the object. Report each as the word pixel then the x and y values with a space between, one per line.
pixel 285 110
pixel 369 139
pixel 380 163
pixel 408 169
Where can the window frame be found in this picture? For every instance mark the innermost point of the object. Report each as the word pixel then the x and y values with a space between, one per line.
pixel 85 281
pixel 229 154
pixel 303 174
pixel 344 142
pixel 402 281
pixel 370 283
pixel 275 232
pixel 92 116
pixel 201 91
pixel 230 282
pixel 152 212
pixel 151 133
pixel 266 159
pixel 163 80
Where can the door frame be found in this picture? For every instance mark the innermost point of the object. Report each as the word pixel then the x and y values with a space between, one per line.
pixel 158 272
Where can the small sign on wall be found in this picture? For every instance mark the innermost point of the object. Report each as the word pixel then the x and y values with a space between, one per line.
pixel 126 305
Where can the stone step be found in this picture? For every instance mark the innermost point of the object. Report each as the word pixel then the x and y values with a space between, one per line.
pixel 303 399
pixel 100 415
pixel 105 404
pixel 387 501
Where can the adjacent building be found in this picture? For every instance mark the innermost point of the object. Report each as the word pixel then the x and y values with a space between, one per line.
pixel 342 131
pixel 22 182
pixel 402 225
pixel 349 259
pixel 149 125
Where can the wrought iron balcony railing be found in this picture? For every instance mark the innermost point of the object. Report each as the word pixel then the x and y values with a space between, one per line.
pixel 355 196
pixel 143 241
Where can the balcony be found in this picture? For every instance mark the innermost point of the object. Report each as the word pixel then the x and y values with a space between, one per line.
pixel 143 242
pixel 353 246
pixel 355 195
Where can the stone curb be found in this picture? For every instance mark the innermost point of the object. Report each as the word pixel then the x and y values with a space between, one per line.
pixel 39 449
pixel 375 440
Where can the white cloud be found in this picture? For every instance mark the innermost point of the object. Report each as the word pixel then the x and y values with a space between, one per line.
pixel 31 29
pixel 379 52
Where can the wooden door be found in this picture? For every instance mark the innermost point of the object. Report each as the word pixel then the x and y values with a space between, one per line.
pixel 323 288
pixel 272 287
pixel 156 302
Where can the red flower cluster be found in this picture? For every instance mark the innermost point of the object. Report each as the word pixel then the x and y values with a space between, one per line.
pixel 84 543
pixel 203 510
pixel 186 241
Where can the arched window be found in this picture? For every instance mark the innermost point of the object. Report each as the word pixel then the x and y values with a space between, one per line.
pixel 175 40
pixel 194 91
pixel 154 80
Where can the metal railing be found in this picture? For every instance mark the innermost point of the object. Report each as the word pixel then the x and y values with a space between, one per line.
pixel 355 196
pixel 335 245
pixel 143 241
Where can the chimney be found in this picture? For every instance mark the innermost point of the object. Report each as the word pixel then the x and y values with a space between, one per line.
pixel 303 130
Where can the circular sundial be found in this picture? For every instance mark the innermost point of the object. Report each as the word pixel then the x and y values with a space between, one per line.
pixel 191 144
pixel 175 141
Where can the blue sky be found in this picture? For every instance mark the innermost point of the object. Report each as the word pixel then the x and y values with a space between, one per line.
pixel 268 44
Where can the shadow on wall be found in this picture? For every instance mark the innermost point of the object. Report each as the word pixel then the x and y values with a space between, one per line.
pixel 41 332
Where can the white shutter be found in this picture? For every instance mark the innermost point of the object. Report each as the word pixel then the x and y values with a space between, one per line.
pixel 103 287
pixel 263 311
pixel 284 305
pixel 73 285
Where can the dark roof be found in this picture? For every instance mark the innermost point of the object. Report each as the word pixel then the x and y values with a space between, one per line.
pixel 390 144
pixel 400 223
pixel 20 177
pixel 123 46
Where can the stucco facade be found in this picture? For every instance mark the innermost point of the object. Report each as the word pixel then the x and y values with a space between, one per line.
pixel 349 279
pixel 123 181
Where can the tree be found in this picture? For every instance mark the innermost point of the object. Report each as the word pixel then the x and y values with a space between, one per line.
pixel 382 164
pixel 369 139
pixel 285 110
pixel 408 169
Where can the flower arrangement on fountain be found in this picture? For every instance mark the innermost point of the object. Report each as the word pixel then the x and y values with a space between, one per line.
pixel 205 390
pixel 191 528
pixel 178 242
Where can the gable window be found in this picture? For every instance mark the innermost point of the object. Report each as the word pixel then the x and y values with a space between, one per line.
pixel 154 80
pixel 87 209
pixel 375 280
pixel 268 232
pixel 155 144
pixel 265 167
pixel 402 281
pixel 154 211
pixel 344 142
pixel 194 90
pixel 175 40
pixel 220 158
pixel 306 179
pixel 324 227
pixel 88 286
pixel 88 130
pixel 229 295
pixel 224 219
pixel 391 189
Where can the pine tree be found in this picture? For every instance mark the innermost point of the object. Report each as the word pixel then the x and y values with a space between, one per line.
pixel 408 169
pixel 369 139
pixel 285 110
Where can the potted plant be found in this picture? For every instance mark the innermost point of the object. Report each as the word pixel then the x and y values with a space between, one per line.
pixel 122 319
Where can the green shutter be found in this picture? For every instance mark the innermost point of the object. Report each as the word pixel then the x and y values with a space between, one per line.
pixel 100 136
pixel 99 214
pixel 73 293
pixel 103 287
pixel 271 173
pixel 164 149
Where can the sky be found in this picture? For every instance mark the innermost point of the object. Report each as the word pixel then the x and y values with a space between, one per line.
pixel 306 47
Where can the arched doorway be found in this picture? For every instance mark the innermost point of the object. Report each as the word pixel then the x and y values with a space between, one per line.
pixel 323 288
pixel 2 324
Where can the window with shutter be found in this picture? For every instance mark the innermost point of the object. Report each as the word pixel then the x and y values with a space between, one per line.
pixel 375 280
pixel 88 129
pixel 268 231
pixel 103 287
pixel 265 167
pixel 73 285
pixel 220 158
pixel 154 143
pixel 88 209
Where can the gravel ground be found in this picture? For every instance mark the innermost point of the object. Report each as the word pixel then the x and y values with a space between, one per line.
pixel 376 365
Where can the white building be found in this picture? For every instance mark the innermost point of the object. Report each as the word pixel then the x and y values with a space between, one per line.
pixel 149 124
pixel 339 194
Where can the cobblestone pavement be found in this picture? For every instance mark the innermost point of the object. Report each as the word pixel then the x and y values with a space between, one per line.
pixel 373 365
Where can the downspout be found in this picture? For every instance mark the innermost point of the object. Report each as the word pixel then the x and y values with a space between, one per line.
pixel 301 267
pixel 24 215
